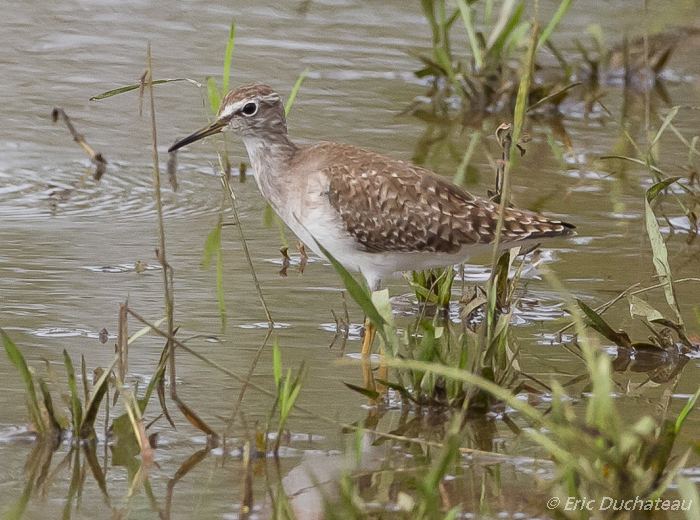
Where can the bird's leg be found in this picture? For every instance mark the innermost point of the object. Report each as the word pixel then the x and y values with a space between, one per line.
pixel 383 372
pixel 370 333
pixel 304 257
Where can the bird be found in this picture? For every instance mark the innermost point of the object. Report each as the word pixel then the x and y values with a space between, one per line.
pixel 371 213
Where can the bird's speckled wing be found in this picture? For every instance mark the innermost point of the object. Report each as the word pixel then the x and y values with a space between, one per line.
pixel 389 205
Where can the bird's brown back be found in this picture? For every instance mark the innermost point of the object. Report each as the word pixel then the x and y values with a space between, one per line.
pixel 389 205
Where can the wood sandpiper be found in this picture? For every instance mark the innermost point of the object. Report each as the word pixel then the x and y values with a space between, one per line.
pixel 373 214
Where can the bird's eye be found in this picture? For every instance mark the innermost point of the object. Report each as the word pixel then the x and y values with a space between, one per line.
pixel 250 109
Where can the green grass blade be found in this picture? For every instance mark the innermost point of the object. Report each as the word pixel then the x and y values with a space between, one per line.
pixel 212 245
pixel 220 288
pixel 214 95
pixel 561 11
pixel 357 293
pixel 83 373
pixel 380 300
pixel 461 174
pixel 76 405
pixel 158 376
pixel 48 404
pixel 129 88
pixel 529 412
pixel 18 361
pixel 504 28
pixel 553 95
pixel 658 246
pixel 667 121
pixel 521 100
pixel 227 60
pixel 518 120
pixel 371 394
pixel 503 17
pixel 90 452
pixel 145 330
pixel 466 13
pixel 659 187
pixel 93 405
pixel 276 364
pixel 17 512
pixel 689 406
pixel 669 475
pixel 601 326
pixel 293 93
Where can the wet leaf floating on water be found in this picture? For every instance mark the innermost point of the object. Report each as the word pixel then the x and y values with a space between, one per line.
pixel 97 159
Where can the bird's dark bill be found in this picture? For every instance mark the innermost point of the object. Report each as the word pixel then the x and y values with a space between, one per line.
pixel 212 129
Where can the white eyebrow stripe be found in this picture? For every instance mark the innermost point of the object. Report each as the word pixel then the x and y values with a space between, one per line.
pixel 230 109
pixel 274 97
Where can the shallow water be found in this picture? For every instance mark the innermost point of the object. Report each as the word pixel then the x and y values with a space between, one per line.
pixel 69 244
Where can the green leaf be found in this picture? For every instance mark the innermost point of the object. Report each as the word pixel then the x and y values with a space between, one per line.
pixel 18 361
pixel 658 246
pixel 561 11
pixel 277 364
pixel 357 293
pixel 372 394
pixel 503 28
pixel 600 325
pixel 554 94
pixel 93 405
pixel 76 405
pixel 83 373
pixel 461 175
pixel 293 93
pixel 227 60
pixel 214 95
pixel 521 100
pixel 212 245
pixel 389 340
pixel 689 406
pixel 466 13
pixel 145 330
pixel 659 187
pixel 220 287
pixel 48 404
pixel 667 121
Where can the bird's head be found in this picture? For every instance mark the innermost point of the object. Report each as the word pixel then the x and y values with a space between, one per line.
pixel 254 112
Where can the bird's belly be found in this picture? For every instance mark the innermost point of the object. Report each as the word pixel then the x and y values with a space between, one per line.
pixel 322 225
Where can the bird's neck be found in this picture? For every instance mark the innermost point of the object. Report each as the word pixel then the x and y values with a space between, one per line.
pixel 270 159
pixel 269 148
pixel 270 156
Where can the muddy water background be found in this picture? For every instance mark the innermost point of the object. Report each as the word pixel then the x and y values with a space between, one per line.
pixel 55 294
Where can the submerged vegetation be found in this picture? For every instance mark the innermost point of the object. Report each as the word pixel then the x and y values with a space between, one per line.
pixel 457 384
